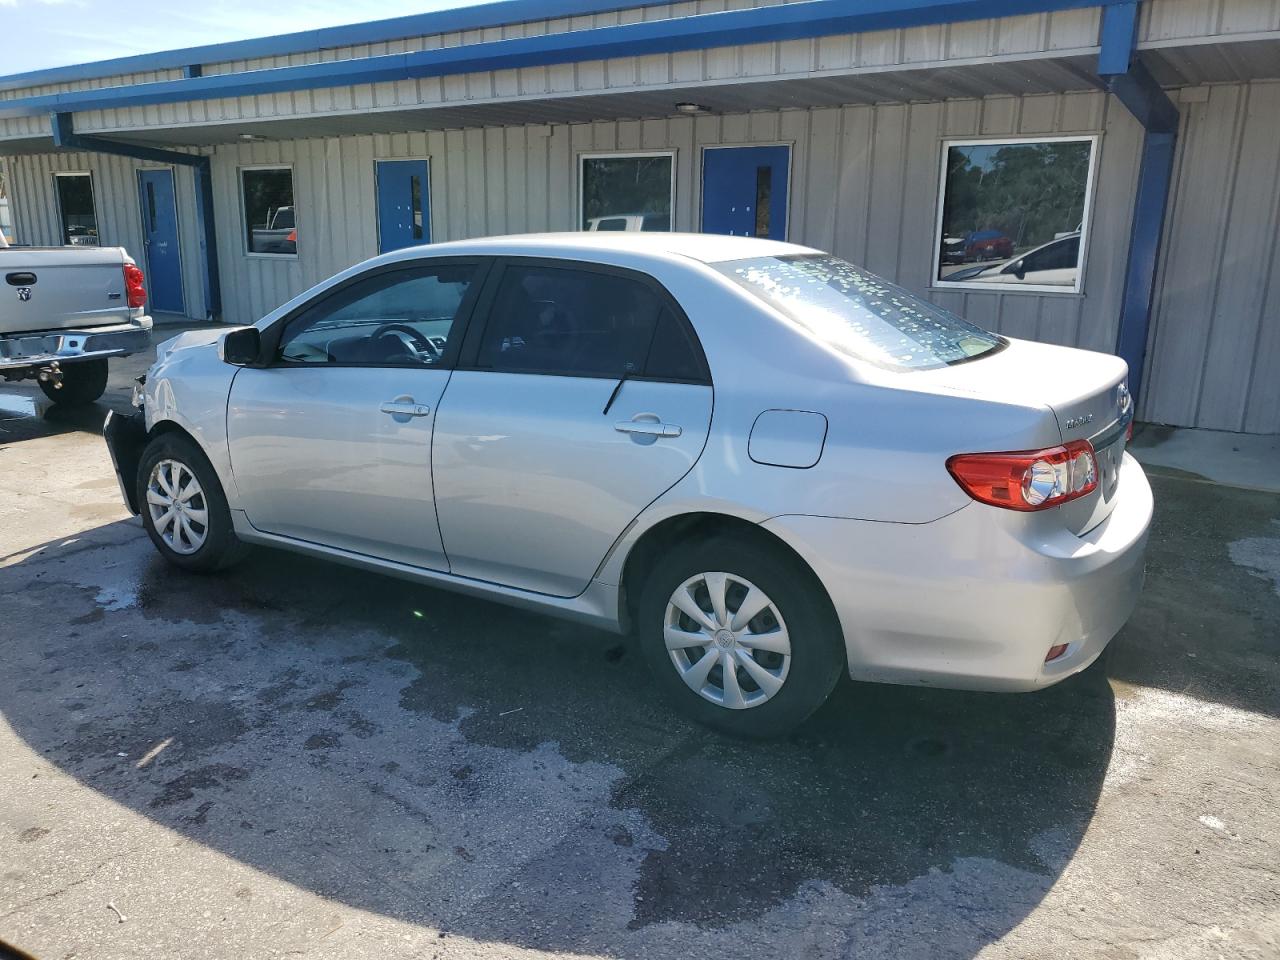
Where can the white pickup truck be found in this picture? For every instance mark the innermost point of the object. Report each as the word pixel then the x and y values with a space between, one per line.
pixel 64 311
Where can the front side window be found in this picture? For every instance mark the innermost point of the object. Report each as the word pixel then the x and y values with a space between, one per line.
pixel 269 214
pixel 76 212
pixel 568 322
pixel 1013 213
pixel 859 314
pixel 403 318
pixel 627 192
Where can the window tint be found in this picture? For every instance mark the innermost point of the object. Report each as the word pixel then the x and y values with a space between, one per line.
pixel 269 222
pixel 396 319
pixel 673 355
pixel 75 207
pixel 576 323
pixel 1004 201
pixel 859 314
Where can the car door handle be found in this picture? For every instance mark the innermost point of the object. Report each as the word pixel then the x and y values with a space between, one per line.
pixel 405 408
pixel 648 428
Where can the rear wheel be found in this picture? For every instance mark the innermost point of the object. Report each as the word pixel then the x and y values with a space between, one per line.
pixel 184 510
pixel 739 637
pixel 82 383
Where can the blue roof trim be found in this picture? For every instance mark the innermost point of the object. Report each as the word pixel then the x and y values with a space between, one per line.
pixel 796 21
pixel 480 16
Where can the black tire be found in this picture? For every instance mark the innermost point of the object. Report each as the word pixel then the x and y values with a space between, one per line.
pixel 816 643
pixel 82 383
pixel 220 547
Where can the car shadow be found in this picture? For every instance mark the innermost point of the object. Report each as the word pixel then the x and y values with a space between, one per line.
pixel 514 779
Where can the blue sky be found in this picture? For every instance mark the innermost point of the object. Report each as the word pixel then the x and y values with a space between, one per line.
pixel 51 33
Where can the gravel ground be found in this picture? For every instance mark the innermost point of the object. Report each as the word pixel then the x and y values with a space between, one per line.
pixel 300 759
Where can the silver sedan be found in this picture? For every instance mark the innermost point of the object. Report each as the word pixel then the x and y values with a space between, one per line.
pixel 767 464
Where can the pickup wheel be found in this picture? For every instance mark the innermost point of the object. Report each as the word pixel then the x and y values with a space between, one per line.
pixel 738 637
pixel 82 383
pixel 183 507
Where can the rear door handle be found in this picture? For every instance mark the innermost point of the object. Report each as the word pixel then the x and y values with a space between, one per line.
pixel 648 428
pixel 405 408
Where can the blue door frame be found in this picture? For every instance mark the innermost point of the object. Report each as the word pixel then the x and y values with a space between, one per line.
pixel 745 191
pixel 404 204
pixel 160 240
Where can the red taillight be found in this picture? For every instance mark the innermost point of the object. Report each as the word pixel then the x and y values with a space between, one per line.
pixel 134 290
pixel 293 235
pixel 1028 479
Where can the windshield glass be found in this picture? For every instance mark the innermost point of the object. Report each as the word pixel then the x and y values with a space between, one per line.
pixel 859 314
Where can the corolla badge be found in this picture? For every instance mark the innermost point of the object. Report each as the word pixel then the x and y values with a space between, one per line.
pixel 24 294
pixel 1080 421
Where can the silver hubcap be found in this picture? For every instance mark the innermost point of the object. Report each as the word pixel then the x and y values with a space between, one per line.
pixel 177 506
pixel 727 640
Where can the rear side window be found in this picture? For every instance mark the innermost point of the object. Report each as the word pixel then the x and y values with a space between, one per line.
pixel 569 322
pixel 859 314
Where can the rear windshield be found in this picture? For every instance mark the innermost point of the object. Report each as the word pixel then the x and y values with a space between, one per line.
pixel 859 314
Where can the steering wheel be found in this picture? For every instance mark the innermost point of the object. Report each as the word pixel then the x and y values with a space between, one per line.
pixel 414 342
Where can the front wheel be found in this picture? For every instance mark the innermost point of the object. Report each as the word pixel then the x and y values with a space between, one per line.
pixel 184 509
pixel 739 636
pixel 82 383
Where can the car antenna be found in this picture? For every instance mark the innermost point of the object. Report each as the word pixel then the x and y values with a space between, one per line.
pixel 626 375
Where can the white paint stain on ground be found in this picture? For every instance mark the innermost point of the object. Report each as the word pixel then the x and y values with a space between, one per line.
pixel 1259 555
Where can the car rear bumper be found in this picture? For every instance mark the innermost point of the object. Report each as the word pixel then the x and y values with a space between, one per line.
pixel 65 346
pixel 976 599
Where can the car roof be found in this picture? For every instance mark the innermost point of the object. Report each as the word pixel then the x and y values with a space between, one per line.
pixel 705 247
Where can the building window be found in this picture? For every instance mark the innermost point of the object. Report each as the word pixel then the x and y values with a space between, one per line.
pixel 271 228
pixel 1014 214
pixel 627 191
pixel 76 210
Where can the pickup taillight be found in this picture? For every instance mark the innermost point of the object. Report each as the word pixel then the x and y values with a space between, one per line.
pixel 135 291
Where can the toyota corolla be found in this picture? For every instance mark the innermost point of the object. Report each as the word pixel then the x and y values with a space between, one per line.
pixel 765 463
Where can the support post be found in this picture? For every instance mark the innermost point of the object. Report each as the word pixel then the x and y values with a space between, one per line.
pixel 1132 84
pixel 65 138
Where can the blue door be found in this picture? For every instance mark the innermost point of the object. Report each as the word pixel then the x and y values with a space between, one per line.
pixel 160 239
pixel 744 191
pixel 404 204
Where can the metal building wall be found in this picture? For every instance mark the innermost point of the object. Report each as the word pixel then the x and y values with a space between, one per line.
pixel 1214 354
pixel 115 195
pixel 879 163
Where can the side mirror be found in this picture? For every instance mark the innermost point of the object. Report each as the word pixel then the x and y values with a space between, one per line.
pixel 242 347
pixel 1020 270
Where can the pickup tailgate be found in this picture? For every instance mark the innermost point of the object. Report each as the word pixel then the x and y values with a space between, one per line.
pixel 61 288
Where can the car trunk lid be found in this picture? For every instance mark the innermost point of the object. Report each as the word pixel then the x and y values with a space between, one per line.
pixel 1087 394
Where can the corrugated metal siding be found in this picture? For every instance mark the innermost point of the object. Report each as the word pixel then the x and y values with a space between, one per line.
pixel 880 162
pixel 1036 35
pixel 532 28
pixel 115 194
pixel 1172 20
pixel 149 76
pixel 1214 359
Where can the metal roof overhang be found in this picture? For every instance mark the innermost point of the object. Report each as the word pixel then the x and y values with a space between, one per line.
pixel 794 21
pixel 1014 76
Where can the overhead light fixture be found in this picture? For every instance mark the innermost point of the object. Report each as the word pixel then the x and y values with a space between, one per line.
pixel 688 107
